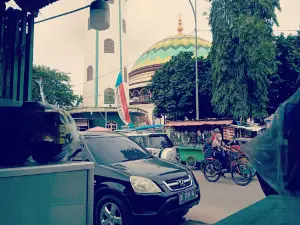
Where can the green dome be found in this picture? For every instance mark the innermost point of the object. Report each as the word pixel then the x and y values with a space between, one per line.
pixel 162 51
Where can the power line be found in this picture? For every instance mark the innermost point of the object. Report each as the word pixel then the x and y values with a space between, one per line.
pixel 63 14
pixel 116 70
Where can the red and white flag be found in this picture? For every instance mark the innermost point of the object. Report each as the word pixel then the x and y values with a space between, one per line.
pixel 121 100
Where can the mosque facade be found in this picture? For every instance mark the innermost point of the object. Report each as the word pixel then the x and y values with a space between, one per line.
pixel 153 59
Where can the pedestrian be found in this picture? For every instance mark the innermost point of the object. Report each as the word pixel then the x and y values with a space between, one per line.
pixel 199 136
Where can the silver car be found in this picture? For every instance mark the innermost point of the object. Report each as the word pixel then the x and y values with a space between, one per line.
pixel 158 144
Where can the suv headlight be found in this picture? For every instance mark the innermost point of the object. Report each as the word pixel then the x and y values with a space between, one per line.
pixel 143 185
pixel 192 176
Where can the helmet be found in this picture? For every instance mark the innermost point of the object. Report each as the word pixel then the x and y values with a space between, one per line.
pixel 217 130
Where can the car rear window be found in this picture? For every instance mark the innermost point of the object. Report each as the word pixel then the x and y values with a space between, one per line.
pixel 160 141
pixel 108 150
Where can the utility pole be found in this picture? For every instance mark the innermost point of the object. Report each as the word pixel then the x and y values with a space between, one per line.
pixel 194 8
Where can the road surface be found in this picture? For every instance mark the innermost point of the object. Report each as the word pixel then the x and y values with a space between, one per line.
pixel 223 198
pixel 218 200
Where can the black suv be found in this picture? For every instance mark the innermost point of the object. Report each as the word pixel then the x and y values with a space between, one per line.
pixel 130 182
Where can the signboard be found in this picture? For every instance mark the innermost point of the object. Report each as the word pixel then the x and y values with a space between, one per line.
pixel 228 133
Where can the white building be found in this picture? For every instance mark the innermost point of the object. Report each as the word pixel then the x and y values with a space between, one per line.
pixel 103 48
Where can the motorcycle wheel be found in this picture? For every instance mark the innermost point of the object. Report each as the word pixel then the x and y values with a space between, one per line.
pixel 244 172
pixel 254 172
pixel 211 172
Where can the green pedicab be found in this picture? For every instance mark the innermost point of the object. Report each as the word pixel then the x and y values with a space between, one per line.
pixel 191 156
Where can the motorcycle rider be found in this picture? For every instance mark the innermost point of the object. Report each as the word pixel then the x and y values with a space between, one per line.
pixel 218 151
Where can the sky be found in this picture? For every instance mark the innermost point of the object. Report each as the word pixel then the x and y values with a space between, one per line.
pixel 59 43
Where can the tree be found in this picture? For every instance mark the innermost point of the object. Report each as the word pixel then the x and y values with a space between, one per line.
pixel 55 85
pixel 242 56
pixel 173 88
pixel 286 81
pixel 79 100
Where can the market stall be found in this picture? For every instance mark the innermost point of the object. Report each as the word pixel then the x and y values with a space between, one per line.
pixel 188 137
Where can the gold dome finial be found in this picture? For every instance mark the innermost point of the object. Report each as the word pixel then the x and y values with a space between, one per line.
pixel 180 27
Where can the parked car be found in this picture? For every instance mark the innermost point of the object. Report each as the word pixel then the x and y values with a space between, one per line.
pixel 130 182
pixel 158 144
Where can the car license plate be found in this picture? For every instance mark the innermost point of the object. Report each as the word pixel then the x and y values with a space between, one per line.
pixel 187 196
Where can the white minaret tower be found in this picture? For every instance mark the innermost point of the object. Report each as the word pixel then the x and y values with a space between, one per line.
pixel 105 54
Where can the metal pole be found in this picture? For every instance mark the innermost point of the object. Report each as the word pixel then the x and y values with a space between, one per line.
pixel 97 70
pixel 196 56
pixel 120 34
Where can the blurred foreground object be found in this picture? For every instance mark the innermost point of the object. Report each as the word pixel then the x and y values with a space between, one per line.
pixel 45 132
pixel 275 154
pixel 56 194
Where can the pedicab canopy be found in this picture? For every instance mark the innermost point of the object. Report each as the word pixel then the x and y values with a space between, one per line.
pixel 276 157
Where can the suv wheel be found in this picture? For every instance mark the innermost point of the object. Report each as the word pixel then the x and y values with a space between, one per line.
pixel 111 210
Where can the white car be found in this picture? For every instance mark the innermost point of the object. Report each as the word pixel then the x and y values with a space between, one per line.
pixel 158 144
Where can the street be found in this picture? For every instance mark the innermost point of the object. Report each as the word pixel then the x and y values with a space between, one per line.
pixel 219 200
pixel 223 198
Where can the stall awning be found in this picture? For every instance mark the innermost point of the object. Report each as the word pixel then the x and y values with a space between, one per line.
pixel 254 128
pixel 198 123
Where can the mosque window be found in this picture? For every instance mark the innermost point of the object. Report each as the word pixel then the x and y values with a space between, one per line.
pixel 109 96
pixel 125 75
pixel 145 95
pixel 89 24
pixel 135 94
pixel 89 73
pixel 109 46
pixel 124 26
pixel 112 125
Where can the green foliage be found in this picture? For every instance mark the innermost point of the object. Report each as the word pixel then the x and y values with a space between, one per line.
pixel 56 87
pixel 79 100
pixel 286 81
pixel 173 88
pixel 242 56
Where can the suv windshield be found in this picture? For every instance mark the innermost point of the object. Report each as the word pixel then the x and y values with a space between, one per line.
pixel 160 141
pixel 107 150
pixel 141 140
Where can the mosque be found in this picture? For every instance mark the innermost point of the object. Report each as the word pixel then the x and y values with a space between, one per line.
pixel 154 58
pixel 106 55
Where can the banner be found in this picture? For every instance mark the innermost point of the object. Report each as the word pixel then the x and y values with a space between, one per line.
pixel 121 100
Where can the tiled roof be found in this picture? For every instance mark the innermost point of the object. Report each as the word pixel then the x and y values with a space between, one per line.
pixel 162 51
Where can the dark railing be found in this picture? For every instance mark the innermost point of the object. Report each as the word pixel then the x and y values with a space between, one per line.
pixel 16 54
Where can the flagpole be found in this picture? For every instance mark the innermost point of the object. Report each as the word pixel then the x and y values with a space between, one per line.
pixel 120 34
pixel 97 70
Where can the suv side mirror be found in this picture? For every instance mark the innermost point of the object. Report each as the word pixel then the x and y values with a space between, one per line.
pixel 78 156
